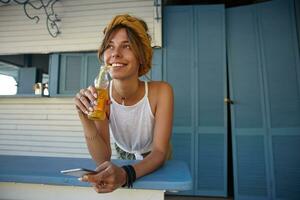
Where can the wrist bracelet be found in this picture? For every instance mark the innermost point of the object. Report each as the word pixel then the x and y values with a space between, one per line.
pixel 131 176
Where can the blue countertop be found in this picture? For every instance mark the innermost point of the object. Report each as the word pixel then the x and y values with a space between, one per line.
pixel 173 176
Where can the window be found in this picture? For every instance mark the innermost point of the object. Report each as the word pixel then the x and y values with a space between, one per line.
pixel 24 74
pixel 76 71
pixel 69 72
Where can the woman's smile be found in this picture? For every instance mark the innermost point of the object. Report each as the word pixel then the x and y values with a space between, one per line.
pixel 118 65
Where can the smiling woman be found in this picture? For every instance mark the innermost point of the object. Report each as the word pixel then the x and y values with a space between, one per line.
pixel 140 115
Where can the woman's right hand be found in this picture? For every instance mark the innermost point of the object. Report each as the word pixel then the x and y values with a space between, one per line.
pixel 85 99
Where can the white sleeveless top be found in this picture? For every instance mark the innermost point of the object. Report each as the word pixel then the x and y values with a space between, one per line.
pixel 132 126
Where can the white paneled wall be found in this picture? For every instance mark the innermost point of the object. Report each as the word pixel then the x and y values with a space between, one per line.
pixel 81 26
pixel 41 127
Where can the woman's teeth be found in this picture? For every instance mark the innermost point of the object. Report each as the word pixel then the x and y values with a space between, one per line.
pixel 117 65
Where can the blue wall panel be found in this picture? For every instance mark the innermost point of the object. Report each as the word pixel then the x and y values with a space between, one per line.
pixel 263 60
pixel 281 74
pixel 179 71
pixel 211 116
pixel 194 64
pixel 251 168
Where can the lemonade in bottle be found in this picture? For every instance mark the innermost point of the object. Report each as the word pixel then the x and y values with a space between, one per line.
pixel 101 85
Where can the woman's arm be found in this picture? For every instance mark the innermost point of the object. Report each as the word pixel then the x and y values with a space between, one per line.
pixel 162 131
pixel 97 139
pixel 96 132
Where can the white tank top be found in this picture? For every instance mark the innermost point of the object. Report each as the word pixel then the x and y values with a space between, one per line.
pixel 132 126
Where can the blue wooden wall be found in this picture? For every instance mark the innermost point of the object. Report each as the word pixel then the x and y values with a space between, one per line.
pixel 194 64
pixel 264 72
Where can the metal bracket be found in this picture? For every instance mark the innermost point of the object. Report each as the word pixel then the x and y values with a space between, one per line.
pixel 157 5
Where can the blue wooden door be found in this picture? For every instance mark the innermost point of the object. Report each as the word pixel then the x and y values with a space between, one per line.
pixel 179 71
pixel 194 63
pixel 210 91
pixel 263 61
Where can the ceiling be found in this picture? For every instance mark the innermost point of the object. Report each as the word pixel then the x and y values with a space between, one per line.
pixel 228 3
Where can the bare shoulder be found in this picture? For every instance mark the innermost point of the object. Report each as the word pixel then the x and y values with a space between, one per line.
pixel 160 88
pixel 161 98
pixel 160 91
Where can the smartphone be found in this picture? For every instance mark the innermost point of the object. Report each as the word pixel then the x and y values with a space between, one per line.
pixel 78 172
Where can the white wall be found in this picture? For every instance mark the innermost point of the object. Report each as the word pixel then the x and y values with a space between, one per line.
pixel 41 127
pixel 81 26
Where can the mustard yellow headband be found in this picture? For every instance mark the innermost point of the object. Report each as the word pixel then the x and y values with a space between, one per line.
pixel 141 30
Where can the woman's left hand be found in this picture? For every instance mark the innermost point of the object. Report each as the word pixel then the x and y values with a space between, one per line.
pixel 108 177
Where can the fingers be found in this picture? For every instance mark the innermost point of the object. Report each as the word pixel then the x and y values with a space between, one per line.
pixel 89 178
pixel 109 171
pixel 100 186
pixel 105 170
pixel 85 99
pixel 108 102
pixel 91 94
pixel 79 105
pixel 93 91
pixel 102 166
pixel 108 178
pixel 103 187
pixel 102 172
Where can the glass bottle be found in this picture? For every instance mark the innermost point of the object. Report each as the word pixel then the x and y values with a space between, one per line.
pixel 101 84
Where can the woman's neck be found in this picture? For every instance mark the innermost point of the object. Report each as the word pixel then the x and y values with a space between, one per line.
pixel 126 89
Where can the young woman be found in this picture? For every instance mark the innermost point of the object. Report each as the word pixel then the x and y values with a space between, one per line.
pixel 140 113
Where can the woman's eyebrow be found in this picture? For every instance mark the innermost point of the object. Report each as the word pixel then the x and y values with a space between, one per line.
pixel 122 42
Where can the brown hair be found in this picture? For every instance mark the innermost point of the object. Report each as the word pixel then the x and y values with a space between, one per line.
pixel 138 37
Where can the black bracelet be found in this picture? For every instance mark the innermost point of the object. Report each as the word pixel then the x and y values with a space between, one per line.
pixel 131 176
pixel 127 178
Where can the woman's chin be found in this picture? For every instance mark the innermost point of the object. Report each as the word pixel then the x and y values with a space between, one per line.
pixel 116 76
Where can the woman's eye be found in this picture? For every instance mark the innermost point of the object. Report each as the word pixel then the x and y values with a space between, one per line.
pixel 127 46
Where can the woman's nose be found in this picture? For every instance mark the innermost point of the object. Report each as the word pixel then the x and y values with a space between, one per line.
pixel 116 52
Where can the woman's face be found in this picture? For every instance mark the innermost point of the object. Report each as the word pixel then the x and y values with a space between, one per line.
pixel 119 54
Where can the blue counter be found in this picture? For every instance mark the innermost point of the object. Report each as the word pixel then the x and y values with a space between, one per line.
pixel 173 176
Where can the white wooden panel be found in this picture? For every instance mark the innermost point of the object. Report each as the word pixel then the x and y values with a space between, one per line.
pixel 45 150
pixel 25 191
pixel 41 133
pixel 8 127
pixel 21 116
pixel 40 153
pixel 41 127
pixel 37 121
pixel 46 128
pixel 58 116
pixel 81 26
pixel 34 112
pixel 45 139
pixel 45 144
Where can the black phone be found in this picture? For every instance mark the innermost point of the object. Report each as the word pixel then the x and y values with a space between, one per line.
pixel 78 172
